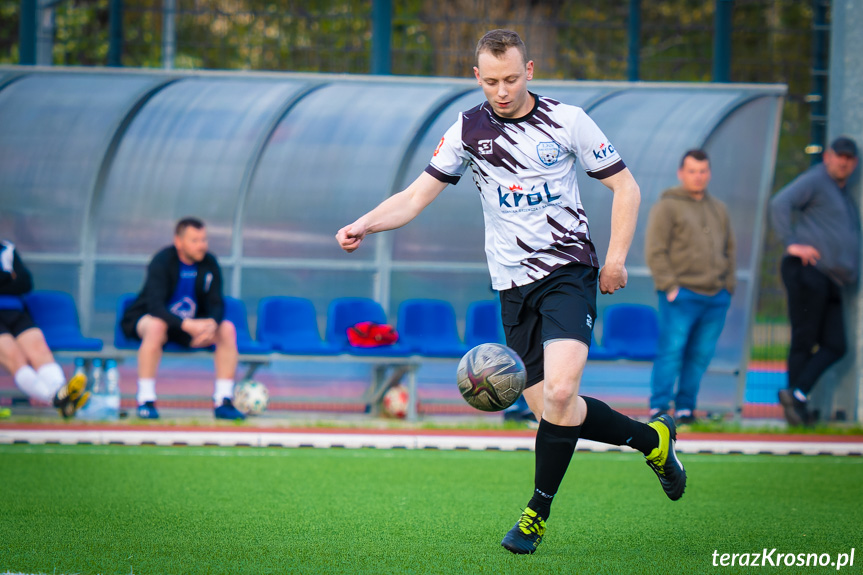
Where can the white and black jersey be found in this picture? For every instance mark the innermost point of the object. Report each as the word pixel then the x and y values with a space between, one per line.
pixel 525 171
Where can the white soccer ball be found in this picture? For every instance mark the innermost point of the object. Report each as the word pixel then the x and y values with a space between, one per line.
pixel 491 376
pixel 251 397
pixel 396 401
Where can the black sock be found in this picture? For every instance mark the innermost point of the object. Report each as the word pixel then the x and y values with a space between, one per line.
pixel 605 425
pixel 555 445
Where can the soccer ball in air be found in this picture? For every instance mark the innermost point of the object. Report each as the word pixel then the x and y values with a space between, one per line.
pixel 251 397
pixel 491 376
pixel 396 401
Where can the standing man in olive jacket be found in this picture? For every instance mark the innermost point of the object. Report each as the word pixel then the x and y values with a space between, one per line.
pixel 181 301
pixel 690 249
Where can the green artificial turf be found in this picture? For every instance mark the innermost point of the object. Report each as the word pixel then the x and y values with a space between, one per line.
pixel 114 509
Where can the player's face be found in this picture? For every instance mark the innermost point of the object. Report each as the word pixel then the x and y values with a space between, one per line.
pixel 191 245
pixel 839 166
pixel 694 175
pixel 504 82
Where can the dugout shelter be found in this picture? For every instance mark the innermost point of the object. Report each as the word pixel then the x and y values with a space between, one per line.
pixel 96 166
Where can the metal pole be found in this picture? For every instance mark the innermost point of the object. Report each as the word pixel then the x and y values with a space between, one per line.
pixel 169 33
pixel 845 117
pixel 722 41
pixel 115 33
pixel 820 71
pixel 45 34
pixel 634 60
pixel 27 33
pixel 382 23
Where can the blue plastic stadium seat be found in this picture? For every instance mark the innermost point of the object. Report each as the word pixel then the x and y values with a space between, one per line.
pixel 120 339
pixel 345 312
pixel 630 331
pixel 482 324
pixel 600 352
pixel 235 312
pixel 56 315
pixel 429 327
pixel 290 325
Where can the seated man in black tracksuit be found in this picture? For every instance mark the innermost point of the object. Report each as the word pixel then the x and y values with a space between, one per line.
pixel 181 301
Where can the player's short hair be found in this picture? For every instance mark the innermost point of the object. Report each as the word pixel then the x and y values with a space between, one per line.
pixel 188 223
pixel 696 154
pixel 497 42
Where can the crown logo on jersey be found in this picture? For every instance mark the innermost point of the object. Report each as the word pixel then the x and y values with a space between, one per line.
pixel 440 144
pixel 548 152
pixel 515 187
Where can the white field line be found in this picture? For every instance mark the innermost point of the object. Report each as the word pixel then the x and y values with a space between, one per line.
pixel 394 441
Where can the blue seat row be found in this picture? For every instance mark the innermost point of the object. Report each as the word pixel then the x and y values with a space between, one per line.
pixel 426 327
pixel 289 325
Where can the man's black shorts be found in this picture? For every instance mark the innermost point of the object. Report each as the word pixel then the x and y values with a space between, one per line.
pixel 129 325
pixel 15 321
pixel 561 305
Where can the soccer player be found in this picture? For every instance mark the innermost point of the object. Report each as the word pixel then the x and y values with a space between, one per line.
pixel 522 148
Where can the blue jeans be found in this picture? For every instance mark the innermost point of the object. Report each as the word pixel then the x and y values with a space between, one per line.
pixel 688 330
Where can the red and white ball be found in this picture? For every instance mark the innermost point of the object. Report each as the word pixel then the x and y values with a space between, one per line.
pixel 396 401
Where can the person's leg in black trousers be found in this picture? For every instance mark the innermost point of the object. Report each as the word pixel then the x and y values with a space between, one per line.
pixel 817 333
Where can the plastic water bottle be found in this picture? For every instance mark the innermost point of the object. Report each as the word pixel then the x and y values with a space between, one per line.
pixel 112 390
pixel 102 406
pixel 80 368
pixel 96 376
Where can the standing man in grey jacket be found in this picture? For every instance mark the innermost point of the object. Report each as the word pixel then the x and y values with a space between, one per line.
pixel 820 228
pixel 690 250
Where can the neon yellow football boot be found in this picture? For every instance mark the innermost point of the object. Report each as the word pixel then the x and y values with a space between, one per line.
pixel 527 533
pixel 72 396
pixel 663 459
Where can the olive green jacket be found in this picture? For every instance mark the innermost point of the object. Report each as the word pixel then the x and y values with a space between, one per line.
pixel 689 243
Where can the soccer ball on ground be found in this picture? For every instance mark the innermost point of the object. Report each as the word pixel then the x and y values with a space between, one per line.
pixel 491 377
pixel 251 397
pixel 396 401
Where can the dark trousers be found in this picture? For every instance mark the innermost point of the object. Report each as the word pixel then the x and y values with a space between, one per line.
pixel 817 326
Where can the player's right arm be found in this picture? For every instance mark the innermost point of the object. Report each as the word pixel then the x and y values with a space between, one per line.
pixel 392 213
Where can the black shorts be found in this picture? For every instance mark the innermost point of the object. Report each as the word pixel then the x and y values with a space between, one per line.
pixel 15 321
pixel 129 325
pixel 561 305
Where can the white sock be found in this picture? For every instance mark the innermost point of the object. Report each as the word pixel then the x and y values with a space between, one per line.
pixel 27 381
pixel 51 377
pixel 224 389
pixel 146 390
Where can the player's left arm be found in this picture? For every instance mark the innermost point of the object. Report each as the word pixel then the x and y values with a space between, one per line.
pixel 624 217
